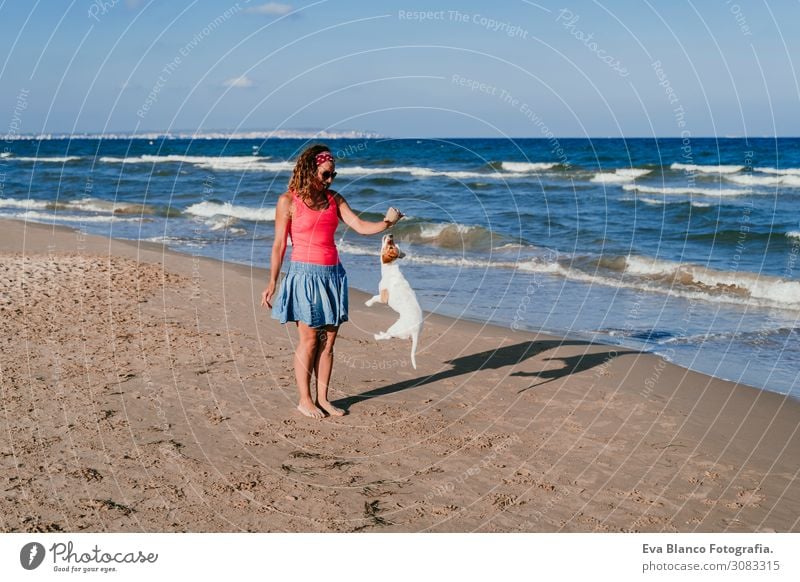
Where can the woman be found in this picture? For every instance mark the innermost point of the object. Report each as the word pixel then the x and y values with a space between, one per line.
pixel 314 292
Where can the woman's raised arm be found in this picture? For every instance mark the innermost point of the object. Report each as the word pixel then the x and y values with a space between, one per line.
pixel 352 220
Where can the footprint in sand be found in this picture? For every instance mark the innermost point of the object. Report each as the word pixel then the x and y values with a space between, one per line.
pixel 748 498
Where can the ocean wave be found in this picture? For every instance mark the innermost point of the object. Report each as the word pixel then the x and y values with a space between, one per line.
pixel 260 164
pixel 764 288
pixel 175 159
pixel 782 171
pixel 5 154
pixel 48 160
pixel 789 180
pixel 636 273
pixel 35 216
pixel 449 235
pixel 226 223
pixel 706 169
pixel 675 279
pixel 107 206
pixel 178 240
pixel 245 164
pixel 421 172
pixel 684 191
pixel 527 167
pixel 85 204
pixel 774 335
pixel 793 234
pixel 620 175
pixel 643 334
pixel 411 257
pixel 26 204
pixel 665 201
pixel 211 209
pixel 221 163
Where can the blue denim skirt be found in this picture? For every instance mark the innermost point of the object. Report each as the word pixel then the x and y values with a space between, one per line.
pixel 313 294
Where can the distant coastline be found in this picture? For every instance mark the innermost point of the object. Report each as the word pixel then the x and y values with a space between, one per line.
pixel 214 134
pixel 326 134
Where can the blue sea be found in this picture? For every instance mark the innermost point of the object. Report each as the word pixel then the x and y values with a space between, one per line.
pixel 684 248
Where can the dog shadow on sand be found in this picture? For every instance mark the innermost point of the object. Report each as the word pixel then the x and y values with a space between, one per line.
pixel 503 357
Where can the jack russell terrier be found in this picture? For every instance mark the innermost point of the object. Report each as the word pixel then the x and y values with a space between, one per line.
pixel 398 294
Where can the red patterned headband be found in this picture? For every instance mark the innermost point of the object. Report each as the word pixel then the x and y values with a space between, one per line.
pixel 324 157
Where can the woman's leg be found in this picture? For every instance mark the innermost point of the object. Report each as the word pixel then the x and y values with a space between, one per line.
pixel 304 363
pixel 323 365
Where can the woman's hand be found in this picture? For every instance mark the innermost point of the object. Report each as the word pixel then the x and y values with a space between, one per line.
pixel 393 216
pixel 266 296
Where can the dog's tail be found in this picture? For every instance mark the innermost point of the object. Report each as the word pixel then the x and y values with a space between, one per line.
pixel 414 338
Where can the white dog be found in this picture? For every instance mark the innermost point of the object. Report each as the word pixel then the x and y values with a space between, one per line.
pixel 398 294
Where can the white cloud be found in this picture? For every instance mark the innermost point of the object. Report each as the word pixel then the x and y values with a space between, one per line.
pixel 270 8
pixel 242 82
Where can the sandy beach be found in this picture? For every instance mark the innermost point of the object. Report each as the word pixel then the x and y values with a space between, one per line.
pixel 145 390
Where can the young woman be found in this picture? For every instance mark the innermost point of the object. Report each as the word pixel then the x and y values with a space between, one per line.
pixel 314 291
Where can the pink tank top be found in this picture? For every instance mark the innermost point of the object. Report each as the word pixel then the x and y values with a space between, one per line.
pixel 312 232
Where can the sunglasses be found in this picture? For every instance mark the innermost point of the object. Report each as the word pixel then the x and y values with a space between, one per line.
pixel 326 175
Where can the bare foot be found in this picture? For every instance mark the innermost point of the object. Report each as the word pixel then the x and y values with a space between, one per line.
pixel 310 410
pixel 330 408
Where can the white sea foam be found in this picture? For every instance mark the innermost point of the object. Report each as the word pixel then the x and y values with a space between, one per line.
pixel 223 163
pixel 793 234
pixel 684 191
pixel 652 201
pixel 620 175
pixel 246 164
pixel 106 206
pixel 434 230
pixel 427 172
pixel 5 154
pixel 760 287
pixel 211 209
pixel 686 281
pixel 527 167
pixel 94 205
pixel 707 169
pixel 787 180
pixel 701 204
pixel 226 223
pixel 186 242
pixel 353 249
pixel 444 261
pixel 27 204
pixel 782 171
pixel 85 204
pixel 35 216
pixel 50 160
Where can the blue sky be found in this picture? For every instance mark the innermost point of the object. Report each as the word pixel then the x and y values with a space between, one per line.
pixel 404 69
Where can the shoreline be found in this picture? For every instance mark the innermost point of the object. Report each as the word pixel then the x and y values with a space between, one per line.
pixel 159 384
pixel 553 333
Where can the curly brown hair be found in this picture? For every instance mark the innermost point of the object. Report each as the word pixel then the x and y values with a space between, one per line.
pixel 305 170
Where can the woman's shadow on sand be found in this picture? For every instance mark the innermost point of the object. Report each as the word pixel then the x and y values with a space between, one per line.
pixel 500 358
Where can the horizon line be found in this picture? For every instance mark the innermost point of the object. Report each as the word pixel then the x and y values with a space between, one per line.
pixel 325 134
